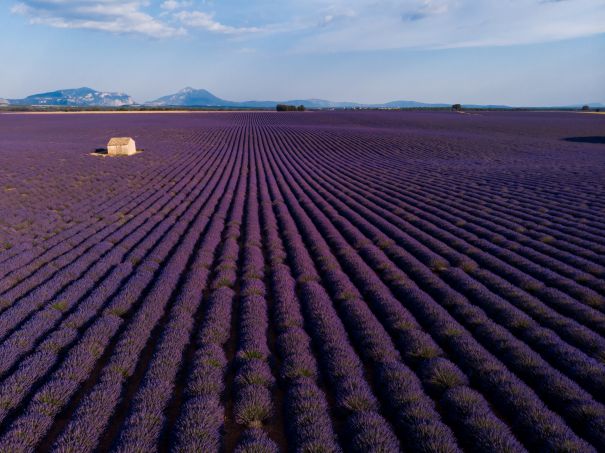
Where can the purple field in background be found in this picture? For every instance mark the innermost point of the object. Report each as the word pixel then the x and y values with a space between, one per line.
pixel 309 282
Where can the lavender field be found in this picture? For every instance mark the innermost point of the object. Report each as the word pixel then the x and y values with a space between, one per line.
pixel 303 282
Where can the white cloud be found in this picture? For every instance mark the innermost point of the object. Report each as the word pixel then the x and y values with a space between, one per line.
pixel 334 25
pixel 425 9
pixel 435 24
pixel 172 5
pixel 206 21
pixel 333 15
pixel 103 15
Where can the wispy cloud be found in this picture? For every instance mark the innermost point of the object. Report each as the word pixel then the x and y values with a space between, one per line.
pixel 206 21
pixel 425 9
pixel 172 5
pixel 112 16
pixel 334 25
pixel 333 14
pixel 438 24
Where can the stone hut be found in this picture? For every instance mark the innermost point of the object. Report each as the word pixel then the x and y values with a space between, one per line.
pixel 121 146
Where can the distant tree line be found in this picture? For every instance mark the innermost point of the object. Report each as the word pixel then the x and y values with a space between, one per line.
pixel 289 108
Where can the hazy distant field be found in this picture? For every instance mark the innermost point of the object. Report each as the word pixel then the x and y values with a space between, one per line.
pixel 319 281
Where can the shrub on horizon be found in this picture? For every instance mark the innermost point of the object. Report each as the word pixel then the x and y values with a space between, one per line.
pixel 288 108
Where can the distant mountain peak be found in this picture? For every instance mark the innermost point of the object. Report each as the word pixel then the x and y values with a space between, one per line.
pixel 191 97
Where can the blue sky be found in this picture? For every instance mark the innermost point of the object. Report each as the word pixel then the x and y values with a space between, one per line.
pixel 516 52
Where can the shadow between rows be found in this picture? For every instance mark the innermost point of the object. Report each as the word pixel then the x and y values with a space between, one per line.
pixel 595 139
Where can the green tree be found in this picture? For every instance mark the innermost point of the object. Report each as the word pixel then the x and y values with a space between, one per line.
pixel 286 108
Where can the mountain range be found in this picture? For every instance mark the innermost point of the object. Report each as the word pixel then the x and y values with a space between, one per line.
pixel 77 97
pixel 191 97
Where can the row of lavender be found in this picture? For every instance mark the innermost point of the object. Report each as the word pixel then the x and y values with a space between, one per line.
pixel 582 364
pixel 312 282
pixel 90 309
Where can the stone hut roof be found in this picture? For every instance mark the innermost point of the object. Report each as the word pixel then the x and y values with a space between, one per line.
pixel 119 141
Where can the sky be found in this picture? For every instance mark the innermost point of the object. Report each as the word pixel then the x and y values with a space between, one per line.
pixel 514 52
